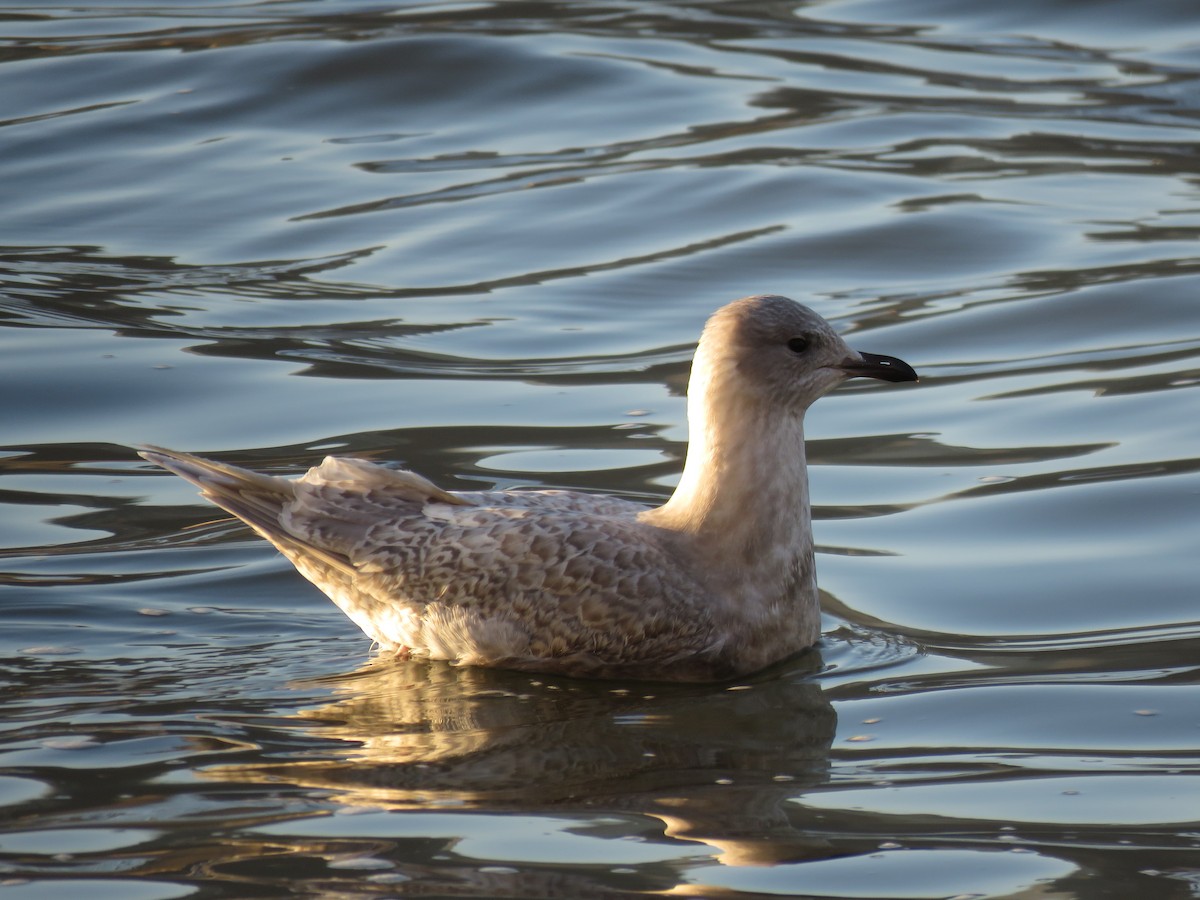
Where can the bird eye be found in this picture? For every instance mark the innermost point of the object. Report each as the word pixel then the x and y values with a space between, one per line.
pixel 798 344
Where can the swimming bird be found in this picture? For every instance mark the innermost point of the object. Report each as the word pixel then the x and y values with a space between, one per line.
pixel 717 582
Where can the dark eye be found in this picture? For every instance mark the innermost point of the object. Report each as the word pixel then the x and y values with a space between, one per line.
pixel 798 344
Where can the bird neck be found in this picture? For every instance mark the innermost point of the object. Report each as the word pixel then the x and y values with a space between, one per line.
pixel 744 489
pixel 740 517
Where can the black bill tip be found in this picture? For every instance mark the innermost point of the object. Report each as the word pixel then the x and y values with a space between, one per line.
pixel 875 365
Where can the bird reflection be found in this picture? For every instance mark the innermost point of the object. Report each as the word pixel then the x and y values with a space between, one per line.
pixel 715 764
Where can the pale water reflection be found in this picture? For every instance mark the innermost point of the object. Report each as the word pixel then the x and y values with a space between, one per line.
pixel 713 766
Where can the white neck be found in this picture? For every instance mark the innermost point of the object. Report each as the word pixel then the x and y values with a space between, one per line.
pixel 742 504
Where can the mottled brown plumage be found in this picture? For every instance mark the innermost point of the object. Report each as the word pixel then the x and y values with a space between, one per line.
pixel 717 582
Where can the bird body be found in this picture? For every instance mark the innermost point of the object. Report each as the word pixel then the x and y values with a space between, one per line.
pixel 717 582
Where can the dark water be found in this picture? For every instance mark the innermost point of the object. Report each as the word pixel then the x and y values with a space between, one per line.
pixel 480 238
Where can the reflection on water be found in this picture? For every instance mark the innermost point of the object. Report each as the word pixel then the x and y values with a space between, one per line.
pixel 480 239
pixel 713 766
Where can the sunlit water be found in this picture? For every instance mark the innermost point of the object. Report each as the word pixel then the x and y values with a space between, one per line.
pixel 480 239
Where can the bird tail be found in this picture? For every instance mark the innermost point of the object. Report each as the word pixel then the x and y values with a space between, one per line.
pixel 207 473
pixel 256 499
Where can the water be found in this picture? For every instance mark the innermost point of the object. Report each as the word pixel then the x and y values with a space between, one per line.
pixel 480 238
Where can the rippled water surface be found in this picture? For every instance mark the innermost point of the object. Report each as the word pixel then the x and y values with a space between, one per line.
pixel 480 239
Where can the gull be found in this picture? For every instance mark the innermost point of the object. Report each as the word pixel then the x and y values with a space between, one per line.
pixel 716 583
